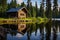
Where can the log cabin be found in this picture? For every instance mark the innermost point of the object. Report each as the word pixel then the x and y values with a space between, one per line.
pixel 17 12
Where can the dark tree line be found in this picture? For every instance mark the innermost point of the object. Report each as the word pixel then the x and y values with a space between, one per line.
pixel 3 7
pixel 33 11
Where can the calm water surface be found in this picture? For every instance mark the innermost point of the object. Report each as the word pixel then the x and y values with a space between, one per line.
pixel 23 31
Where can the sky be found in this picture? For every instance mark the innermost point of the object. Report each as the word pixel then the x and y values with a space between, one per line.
pixel 33 2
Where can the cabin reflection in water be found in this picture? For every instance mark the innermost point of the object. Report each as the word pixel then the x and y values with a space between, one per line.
pixel 21 27
pixel 17 30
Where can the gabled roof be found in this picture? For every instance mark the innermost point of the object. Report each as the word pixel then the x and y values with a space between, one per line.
pixel 15 9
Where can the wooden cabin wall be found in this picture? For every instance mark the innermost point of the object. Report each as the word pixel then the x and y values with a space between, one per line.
pixel 21 14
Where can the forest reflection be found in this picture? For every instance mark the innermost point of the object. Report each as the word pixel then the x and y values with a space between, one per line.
pixel 23 31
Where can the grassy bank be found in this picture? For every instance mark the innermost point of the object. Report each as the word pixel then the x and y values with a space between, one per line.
pixel 25 20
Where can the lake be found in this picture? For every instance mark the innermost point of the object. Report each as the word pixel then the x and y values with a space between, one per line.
pixel 30 31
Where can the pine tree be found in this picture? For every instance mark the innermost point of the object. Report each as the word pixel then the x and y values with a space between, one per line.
pixel 36 9
pixel 41 12
pixel 13 4
pixel 23 4
pixel 28 7
pixel 48 9
pixel 28 4
pixel 55 8
pixel 31 9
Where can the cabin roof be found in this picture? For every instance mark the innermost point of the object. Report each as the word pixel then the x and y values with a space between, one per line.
pixel 15 9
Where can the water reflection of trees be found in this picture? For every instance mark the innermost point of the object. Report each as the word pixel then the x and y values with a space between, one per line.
pixel 30 28
pixel 41 27
pixel 36 28
pixel 54 26
pixel 54 33
pixel 2 33
pixel 48 30
pixel 55 30
pixel 59 26
pixel 28 32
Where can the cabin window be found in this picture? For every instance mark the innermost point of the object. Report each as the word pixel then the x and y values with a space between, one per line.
pixel 22 14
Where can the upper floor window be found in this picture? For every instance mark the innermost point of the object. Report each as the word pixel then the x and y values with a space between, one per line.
pixel 22 14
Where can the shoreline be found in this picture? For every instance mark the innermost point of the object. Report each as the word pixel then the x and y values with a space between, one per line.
pixel 26 20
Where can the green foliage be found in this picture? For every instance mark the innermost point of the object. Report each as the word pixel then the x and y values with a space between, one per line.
pixel 34 12
pixel 3 7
